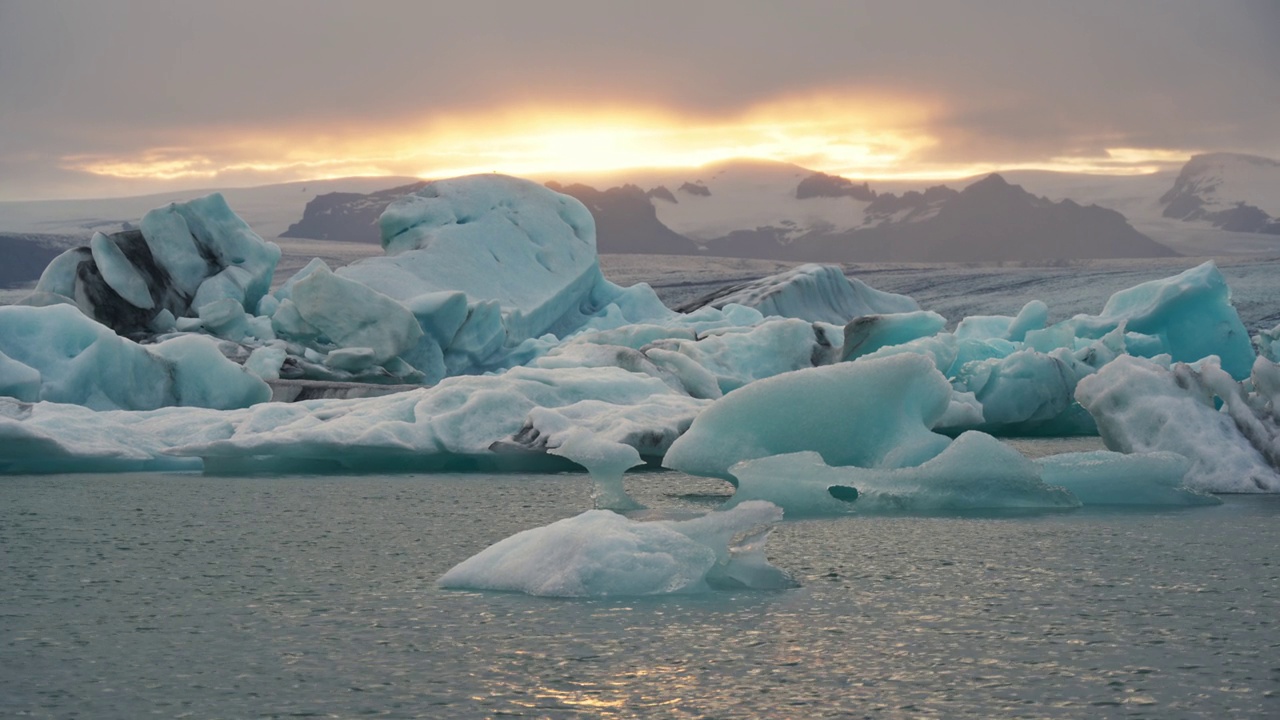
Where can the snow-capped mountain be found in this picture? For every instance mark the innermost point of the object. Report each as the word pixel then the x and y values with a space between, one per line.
pixel 1240 193
pixel 757 209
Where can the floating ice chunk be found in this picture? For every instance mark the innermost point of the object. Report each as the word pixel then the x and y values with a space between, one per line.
pixel 817 293
pixel 866 334
pixel 1111 478
pixel 1033 316
pixel 1025 388
pixel 603 554
pixel 976 472
pixel 1141 406
pixel 231 283
pixel 868 413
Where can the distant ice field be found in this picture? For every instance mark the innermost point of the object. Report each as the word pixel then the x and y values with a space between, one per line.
pixel 167 595
pixel 959 290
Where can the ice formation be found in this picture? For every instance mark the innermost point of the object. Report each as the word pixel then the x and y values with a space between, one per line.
pixel 603 554
pixel 487 422
pixel 869 413
pixel 1111 478
pixel 974 473
pixel 57 354
pixel 1146 406
pixel 492 292
pixel 184 257
pixel 817 293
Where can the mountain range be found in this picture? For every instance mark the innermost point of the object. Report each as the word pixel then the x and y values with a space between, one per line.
pixel 1218 203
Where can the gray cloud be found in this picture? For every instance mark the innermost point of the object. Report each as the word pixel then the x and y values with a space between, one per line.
pixel 1018 80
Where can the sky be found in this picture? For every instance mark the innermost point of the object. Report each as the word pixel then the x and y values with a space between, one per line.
pixel 117 98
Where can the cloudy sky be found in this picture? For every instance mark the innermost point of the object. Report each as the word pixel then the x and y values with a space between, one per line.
pixel 110 98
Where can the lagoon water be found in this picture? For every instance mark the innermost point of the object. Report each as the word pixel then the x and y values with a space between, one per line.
pixel 172 596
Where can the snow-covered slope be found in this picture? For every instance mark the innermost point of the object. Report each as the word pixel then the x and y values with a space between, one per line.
pixel 746 195
pixel 1229 191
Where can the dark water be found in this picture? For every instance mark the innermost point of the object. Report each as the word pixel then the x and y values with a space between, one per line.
pixel 184 596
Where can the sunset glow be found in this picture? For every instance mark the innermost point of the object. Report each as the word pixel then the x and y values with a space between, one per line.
pixel 861 137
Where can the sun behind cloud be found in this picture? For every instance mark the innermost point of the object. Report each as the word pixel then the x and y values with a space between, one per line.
pixel 861 135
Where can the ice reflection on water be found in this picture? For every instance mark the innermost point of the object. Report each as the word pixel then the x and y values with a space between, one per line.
pixel 222 597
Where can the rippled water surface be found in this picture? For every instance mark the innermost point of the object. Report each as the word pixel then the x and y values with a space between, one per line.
pixel 190 596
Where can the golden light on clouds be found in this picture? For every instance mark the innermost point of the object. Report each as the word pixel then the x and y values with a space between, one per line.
pixel 854 136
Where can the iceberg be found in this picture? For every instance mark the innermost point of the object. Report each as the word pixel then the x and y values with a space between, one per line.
pixel 1189 315
pixel 602 554
pixel 184 256
pixel 974 473
pixel 498 239
pixel 1143 406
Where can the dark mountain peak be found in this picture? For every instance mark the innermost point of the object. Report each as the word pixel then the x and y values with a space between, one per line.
pixel 994 182
pixel 662 193
pixel 824 185
pixel 696 189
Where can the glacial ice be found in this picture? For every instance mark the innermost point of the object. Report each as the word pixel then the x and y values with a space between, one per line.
pixel 1145 406
pixel 488 422
pixel 976 472
pixel 490 274
pixel 603 554
pixel 817 293
pixel 868 413
pixel 82 362
pixel 1111 478
pixel 869 333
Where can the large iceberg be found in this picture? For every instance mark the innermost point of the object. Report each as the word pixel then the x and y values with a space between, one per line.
pixel 603 554
pixel 523 255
